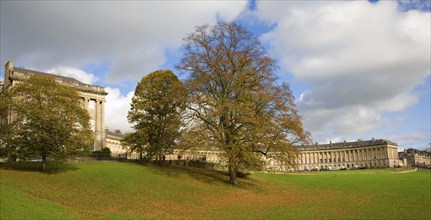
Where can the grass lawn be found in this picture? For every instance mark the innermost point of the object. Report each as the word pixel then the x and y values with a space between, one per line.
pixel 114 190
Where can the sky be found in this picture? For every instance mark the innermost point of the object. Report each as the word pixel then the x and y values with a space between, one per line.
pixel 358 69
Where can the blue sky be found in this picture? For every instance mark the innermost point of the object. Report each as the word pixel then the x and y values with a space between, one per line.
pixel 358 69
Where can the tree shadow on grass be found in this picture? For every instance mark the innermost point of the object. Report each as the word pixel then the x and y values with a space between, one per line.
pixel 51 167
pixel 205 175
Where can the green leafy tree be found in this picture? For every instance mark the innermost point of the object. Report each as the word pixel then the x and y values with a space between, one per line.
pixel 47 121
pixel 236 104
pixel 5 127
pixel 155 113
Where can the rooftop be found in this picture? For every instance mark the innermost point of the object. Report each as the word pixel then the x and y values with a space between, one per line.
pixel 22 74
pixel 345 144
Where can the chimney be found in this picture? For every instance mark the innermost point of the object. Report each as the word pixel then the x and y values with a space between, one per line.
pixel 9 65
pixel 118 131
pixel 8 68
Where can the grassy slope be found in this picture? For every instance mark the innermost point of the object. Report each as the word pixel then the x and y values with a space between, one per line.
pixel 124 190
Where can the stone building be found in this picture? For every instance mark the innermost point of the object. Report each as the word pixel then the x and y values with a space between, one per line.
pixel 93 97
pixel 416 158
pixel 113 142
pixel 375 153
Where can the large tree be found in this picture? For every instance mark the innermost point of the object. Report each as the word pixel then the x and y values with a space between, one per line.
pixel 155 113
pixel 236 104
pixel 46 120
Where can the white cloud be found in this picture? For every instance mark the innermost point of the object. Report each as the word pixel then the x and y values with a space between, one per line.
pixel 361 59
pixel 409 140
pixel 116 109
pixel 132 36
pixel 75 73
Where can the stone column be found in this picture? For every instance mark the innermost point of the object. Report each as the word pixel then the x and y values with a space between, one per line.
pixel 98 113
pixel 97 122
pixel 347 156
pixel 315 157
pixel 353 155
pixel 367 153
pixel 357 154
pixel 386 153
pixel 331 156
pixel 335 157
pixel 86 103
pixel 311 157
pixel 102 122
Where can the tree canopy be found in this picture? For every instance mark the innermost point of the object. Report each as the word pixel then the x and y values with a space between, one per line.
pixel 155 113
pixel 46 120
pixel 236 104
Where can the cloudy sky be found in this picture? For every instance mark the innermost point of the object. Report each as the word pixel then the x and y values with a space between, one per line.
pixel 358 69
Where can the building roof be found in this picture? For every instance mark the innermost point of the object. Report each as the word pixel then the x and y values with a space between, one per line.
pixel 22 74
pixel 352 144
pixel 117 135
pixel 62 78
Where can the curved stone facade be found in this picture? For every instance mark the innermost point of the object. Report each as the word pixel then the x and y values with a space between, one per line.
pixel 346 155
pixel 376 153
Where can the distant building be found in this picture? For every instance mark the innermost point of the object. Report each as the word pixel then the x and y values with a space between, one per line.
pixel 113 142
pixel 375 153
pixel 93 97
pixel 416 158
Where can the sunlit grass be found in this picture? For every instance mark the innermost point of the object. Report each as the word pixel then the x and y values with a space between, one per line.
pixel 125 190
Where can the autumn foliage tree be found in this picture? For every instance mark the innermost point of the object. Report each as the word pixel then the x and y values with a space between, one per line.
pixel 46 120
pixel 155 113
pixel 236 104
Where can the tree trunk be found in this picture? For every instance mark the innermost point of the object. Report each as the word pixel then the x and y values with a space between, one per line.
pixel 43 168
pixel 233 171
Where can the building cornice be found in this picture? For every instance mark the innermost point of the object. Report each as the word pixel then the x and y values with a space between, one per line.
pixel 345 145
pixel 20 74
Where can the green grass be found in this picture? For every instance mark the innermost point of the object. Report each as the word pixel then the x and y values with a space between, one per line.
pixel 113 190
